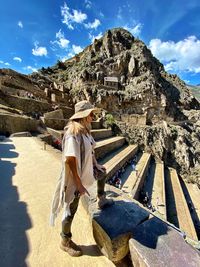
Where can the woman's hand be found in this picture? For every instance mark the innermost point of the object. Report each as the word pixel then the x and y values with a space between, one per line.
pixel 82 190
pixel 100 167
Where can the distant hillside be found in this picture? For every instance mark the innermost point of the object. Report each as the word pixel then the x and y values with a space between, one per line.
pixel 195 90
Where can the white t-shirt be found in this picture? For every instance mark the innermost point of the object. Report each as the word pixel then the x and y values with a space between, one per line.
pixel 72 146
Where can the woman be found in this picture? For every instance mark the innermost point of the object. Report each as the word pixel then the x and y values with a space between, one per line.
pixel 78 161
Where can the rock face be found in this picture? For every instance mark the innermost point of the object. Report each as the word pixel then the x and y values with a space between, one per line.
pixel 177 144
pixel 144 86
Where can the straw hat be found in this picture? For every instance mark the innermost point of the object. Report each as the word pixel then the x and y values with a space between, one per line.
pixel 83 109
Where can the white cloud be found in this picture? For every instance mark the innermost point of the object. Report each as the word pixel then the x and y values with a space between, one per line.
pixel 136 30
pixel 30 68
pixel 71 54
pixel 88 4
pixel 93 37
pixel 181 56
pixel 5 63
pixel 17 59
pixel 69 18
pixel 20 24
pixel 61 40
pixel 65 58
pixel 39 50
pixel 78 16
pixel 119 13
pixel 93 25
pixel 101 14
pixel 77 49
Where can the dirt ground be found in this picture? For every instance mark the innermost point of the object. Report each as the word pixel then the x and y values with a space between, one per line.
pixel 28 174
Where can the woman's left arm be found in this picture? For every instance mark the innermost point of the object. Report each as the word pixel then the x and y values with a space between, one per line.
pixel 97 165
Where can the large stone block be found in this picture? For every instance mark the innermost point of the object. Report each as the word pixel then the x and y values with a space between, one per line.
pixel 155 243
pixel 56 114
pixel 113 225
pixel 55 119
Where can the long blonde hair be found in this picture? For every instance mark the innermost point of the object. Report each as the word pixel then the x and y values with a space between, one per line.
pixel 78 126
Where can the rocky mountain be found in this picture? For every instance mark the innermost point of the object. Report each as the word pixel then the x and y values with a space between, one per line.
pixel 143 85
pixel 118 73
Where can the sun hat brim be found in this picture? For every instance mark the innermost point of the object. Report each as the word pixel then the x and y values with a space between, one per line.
pixel 84 113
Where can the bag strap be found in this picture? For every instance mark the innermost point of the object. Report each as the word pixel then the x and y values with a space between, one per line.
pixel 82 151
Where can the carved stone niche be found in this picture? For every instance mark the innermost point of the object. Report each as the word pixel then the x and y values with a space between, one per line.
pixel 100 76
pixel 53 97
pixel 47 92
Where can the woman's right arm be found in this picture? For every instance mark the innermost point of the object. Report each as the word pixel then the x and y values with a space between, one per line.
pixel 71 161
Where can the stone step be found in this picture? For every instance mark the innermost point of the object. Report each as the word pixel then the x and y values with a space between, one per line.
pixel 136 178
pixel 55 133
pixel 116 160
pixel 177 209
pixel 97 133
pixel 158 199
pixel 105 146
pixel 101 133
pixel 192 194
pixel 156 243
pixel 21 134
pixel 96 124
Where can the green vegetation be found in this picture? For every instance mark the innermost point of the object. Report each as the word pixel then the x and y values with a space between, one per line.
pixel 109 120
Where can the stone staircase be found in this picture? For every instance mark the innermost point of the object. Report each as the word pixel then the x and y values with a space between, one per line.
pixel 158 198
pixel 166 196
pixel 178 211
pixel 135 181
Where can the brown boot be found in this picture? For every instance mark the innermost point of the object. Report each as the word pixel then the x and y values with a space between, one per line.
pixel 71 248
pixel 104 202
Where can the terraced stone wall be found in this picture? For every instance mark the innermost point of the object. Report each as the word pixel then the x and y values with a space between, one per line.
pixel 15 123
pixel 28 105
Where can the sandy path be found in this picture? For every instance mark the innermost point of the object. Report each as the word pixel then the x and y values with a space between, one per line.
pixel 28 175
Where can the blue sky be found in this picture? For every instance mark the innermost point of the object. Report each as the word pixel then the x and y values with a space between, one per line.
pixel 37 33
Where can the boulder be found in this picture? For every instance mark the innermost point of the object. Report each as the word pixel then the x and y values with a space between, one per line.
pixel 113 225
pixel 155 243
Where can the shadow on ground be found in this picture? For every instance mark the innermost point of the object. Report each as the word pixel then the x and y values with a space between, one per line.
pixel 14 220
